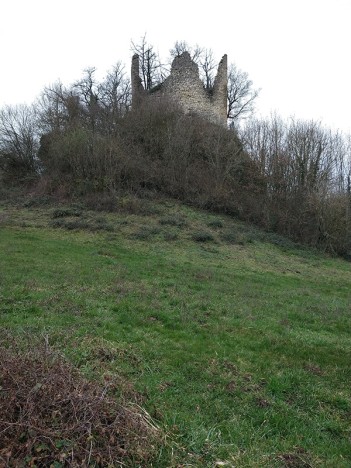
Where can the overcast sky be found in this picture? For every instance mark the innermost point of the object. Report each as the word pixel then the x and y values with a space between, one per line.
pixel 296 51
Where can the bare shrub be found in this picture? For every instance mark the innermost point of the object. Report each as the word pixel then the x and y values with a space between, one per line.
pixel 52 416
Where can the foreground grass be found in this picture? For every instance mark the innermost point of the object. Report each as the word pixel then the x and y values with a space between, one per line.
pixel 239 342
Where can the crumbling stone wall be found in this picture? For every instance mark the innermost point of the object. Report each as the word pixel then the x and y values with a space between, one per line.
pixel 184 87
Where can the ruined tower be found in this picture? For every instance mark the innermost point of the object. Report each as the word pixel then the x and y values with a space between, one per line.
pixel 184 87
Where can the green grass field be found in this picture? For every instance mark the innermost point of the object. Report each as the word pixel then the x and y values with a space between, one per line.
pixel 238 341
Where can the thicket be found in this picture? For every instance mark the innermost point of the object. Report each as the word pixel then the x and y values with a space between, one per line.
pixel 306 171
pixel 289 177
pixel 52 416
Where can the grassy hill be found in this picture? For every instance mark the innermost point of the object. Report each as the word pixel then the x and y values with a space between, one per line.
pixel 237 342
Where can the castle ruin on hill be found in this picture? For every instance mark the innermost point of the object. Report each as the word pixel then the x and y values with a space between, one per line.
pixel 184 87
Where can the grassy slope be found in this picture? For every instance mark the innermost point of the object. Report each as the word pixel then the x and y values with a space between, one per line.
pixel 241 345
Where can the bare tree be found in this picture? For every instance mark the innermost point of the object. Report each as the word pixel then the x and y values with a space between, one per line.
pixel 114 98
pixel 86 103
pixel 182 46
pixel 208 67
pixel 19 141
pixel 151 70
pixel 114 91
pixel 299 156
pixel 241 94
pixel 87 88
pixel 59 108
pixel 86 91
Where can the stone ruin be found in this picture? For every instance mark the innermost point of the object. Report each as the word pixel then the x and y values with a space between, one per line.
pixel 184 87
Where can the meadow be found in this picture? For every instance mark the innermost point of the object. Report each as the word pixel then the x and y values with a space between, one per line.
pixel 236 341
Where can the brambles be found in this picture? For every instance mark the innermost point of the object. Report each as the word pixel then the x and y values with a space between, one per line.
pixel 52 416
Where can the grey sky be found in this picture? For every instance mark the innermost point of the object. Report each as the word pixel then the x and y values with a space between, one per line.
pixel 296 51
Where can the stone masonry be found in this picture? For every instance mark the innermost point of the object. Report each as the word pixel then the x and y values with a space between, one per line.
pixel 184 87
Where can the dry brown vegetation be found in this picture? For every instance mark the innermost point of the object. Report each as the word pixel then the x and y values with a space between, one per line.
pixel 51 416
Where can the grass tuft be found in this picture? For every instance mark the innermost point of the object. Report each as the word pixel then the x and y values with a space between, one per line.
pixel 170 236
pixel 202 236
pixel 234 237
pixel 65 212
pixel 144 233
pixel 215 223
pixel 176 220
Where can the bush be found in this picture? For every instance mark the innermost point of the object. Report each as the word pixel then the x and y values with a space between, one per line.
pixel 175 220
pixel 52 416
pixel 38 201
pixel 233 237
pixel 70 225
pixel 215 223
pixel 101 202
pixel 170 236
pixel 80 224
pixel 144 233
pixel 202 236
pixel 65 212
